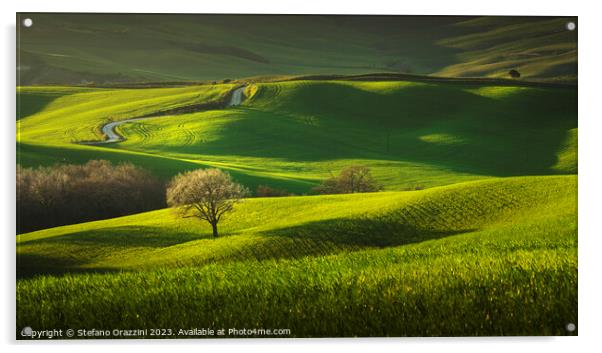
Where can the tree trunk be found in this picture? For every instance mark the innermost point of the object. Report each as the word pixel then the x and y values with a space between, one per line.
pixel 214 226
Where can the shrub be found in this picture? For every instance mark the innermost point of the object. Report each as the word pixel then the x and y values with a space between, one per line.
pixel 413 188
pixel 266 191
pixel 328 186
pixel 352 179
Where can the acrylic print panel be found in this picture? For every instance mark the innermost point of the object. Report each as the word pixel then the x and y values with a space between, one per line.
pixel 270 176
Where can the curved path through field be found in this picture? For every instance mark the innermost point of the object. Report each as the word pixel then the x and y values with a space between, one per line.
pixel 112 136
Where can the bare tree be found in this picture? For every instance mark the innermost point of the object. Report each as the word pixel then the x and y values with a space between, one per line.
pixel 357 178
pixel 206 194
pixel 351 180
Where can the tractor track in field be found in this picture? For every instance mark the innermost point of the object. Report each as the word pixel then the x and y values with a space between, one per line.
pixel 109 129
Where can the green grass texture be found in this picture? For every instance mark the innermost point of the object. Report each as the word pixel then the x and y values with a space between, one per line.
pixel 81 49
pixel 291 135
pixel 491 257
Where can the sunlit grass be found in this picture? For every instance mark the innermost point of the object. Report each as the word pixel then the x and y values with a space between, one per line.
pixel 292 135
pixel 463 257
pixel 297 226
pixel 486 258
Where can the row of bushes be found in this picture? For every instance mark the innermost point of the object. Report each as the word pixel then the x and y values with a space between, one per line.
pixel 67 194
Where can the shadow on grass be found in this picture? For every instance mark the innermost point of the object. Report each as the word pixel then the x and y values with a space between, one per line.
pixel 31 103
pixel 373 231
pixel 163 167
pixel 91 244
pixel 310 239
pixel 127 236
pixel 32 265
pixel 496 134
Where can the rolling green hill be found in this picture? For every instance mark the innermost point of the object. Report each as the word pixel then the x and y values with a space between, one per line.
pixel 365 264
pixel 291 135
pixel 537 49
pixel 91 48
pixel 298 226
pixel 475 232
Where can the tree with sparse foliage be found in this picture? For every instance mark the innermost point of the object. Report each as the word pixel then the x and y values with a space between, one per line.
pixel 352 179
pixel 207 194
pixel 357 179
pixel 328 186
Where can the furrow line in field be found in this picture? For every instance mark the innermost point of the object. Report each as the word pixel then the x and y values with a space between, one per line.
pixel 109 129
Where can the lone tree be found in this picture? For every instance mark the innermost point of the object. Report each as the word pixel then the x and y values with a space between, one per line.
pixel 207 194
pixel 351 180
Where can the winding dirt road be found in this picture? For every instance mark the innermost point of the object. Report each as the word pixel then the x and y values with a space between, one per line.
pixel 237 97
pixel 112 136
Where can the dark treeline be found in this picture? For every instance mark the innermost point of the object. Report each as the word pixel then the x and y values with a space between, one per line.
pixel 67 194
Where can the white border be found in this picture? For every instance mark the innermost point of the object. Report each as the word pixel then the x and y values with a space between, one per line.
pixel 590 181
pixel 423 7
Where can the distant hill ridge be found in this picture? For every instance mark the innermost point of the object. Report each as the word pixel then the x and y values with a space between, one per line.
pixel 115 48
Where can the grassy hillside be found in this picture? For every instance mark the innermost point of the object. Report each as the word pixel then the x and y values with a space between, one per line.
pixel 291 135
pixel 541 49
pixel 81 49
pixel 79 114
pixel 51 130
pixel 481 258
pixel 475 232
pixel 297 226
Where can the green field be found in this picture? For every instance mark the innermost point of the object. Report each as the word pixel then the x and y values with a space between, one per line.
pixel 410 133
pixel 84 49
pixel 474 232
pixel 383 259
pixel 377 264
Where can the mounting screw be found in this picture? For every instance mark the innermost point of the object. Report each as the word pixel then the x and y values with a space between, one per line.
pixel 571 26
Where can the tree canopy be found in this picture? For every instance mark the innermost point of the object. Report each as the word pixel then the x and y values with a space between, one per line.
pixel 207 194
